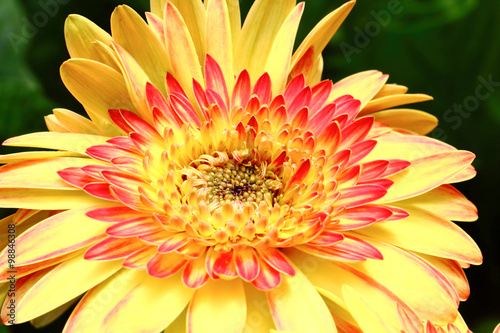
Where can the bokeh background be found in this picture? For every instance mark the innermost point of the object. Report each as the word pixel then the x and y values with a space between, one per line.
pixel 444 48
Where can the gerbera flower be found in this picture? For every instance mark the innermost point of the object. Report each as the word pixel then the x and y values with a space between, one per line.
pixel 220 185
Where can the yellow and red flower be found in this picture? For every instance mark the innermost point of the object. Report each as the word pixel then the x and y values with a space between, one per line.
pixel 220 185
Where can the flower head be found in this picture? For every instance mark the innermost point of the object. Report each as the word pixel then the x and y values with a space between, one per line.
pixel 219 180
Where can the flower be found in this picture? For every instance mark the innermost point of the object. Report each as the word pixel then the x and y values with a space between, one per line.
pixel 219 185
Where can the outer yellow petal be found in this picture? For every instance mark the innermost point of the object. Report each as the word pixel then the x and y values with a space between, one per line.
pixel 362 86
pixel 134 35
pixel 317 72
pixel 98 88
pixel 157 7
pixel 81 35
pixel 235 18
pixel 401 277
pixel 445 201
pixel 427 173
pixel 427 233
pixel 497 329
pixel 33 155
pixel 323 32
pixel 90 312
pixel 51 316
pixel 259 317
pixel 179 324
pixel 391 89
pixel 67 231
pixel 157 301
pixel 39 173
pixel 407 147
pixel 259 31
pixel 219 42
pixel 77 143
pixel 413 120
pixel 181 49
pixel 365 314
pixel 52 288
pixel 219 306
pixel 75 123
pixel 193 13
pixel 45 199
pixel 135 80
pixel 297 306
pixel 278 63
pixel 391 101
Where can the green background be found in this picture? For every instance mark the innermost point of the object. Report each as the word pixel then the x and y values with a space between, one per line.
pixel 437 47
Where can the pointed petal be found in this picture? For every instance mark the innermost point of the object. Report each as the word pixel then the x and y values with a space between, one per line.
pixel 219 44
pixel 39 173
pixel 278 62
pixel 68 231
pixel 45 199
pixel 219 306
pixel 362 86
pixel 427 233
pixel 297 306
pixel 259 31
pixel 392 101
pixel 113 248
pixel 80 34
pixel 322 33
pixel 77 143
pixel 161 310
pixel 445 201
pixel 247 264
pixel 181 49
pixel 44 292
pixel 98 88
pixel 427 173
pixel 412 120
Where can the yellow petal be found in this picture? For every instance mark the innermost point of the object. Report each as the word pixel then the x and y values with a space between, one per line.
pixel 362 86
pixel 365 313
pixel 51 316
pixel 278 63
pixel 233 7
pixel 427 233
pixel 259 31
pixel 39 173
pixel 131 32
pixel 219 306
pixel 412 120
pixel 68 231
pixel 259 317
pixel 323 32
pixel 135 81
pixel 391 89
pixel 427 173
pixel 157 7
pixel 315 76
pixel 179 324
pixel 34 155
pixel 42 199
pixel 89 314
pixel 445 201
pixel 407 147
pixel 391 101
pixel 75 123
pixel 297 306
pixel 193 13
pixel 219 42
pixel 98 88
pixel 81 35
pixel 52 289
pixel 157 301
pixel 77 143
pixel 185 63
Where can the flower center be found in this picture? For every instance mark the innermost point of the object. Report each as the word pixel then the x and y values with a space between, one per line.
pixel 228 180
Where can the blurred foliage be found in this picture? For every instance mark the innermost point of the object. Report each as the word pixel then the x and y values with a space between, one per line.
pixel 437 47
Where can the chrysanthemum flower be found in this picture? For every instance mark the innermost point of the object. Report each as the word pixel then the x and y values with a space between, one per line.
pixel 220 186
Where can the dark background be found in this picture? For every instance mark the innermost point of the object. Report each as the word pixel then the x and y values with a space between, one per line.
pixel 439 47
